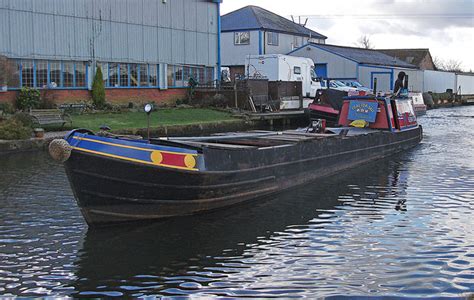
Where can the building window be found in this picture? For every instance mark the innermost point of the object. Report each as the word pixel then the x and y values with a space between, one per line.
pixel 41 74
pixel 272 38
pixel 170 75
pixel 133 75
pixel 123 70
pixel 242 38
pixel 50 74
pixel 80 71
pixel 209 75
pixel 143 71
pixel 54 74
pixel 187 73
pixel 113 75
pixel 297 70
pixel 296 42
pixel 201 78
pixel 194 73
pixel 178 73
pixel 153 75
pixel 68 74
pixel 27 74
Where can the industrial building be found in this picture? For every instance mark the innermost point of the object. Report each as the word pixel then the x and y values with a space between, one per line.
pixel 366 65
pixel 363 65
pixel 147 49
pixel 252 30
pixel 419 57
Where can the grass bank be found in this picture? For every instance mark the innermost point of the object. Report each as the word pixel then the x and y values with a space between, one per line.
pixel 162 117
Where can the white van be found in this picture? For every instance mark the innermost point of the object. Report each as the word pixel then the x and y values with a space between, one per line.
pixel 279 67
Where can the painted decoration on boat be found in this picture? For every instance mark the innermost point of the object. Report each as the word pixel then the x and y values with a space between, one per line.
pixel 362 110
pixel 406 117
pixel 170 157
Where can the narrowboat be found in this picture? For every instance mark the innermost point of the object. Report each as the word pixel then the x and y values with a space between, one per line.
pixel 327 105
pixel 120 179
pixel 418 103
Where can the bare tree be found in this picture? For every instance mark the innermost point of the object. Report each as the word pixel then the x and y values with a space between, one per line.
pixel 438 63
pixel 453 65
pixel 364 42
pixel 450 65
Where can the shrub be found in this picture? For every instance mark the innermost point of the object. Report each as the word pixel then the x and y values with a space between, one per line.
pixel 28 98
pixel 23 119
pixel 13 130
pixel 98 90
pixel 7 108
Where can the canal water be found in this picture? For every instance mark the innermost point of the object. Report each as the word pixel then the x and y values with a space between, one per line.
pixel 400 227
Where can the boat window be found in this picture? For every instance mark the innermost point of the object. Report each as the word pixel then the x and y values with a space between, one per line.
pixel 297 70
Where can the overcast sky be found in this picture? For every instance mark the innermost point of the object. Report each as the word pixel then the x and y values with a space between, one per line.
pixel 446 27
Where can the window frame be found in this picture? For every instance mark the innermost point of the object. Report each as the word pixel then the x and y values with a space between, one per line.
pixel 238 38
pixel 296 41
pixel 33 78
pixel 271 37
pixel 297 70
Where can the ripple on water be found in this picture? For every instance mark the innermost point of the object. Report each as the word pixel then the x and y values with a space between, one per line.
pixel 400 227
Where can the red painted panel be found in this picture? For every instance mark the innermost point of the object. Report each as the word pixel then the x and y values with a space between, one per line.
pixel 173 159
pixel 381 121
pixel 323 108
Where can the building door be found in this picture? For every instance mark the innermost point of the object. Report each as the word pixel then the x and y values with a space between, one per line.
pixel 383 81
pixel 321 70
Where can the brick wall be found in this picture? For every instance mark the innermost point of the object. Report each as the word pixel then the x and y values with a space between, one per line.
pixel 115 96
pixel 427 63
pixel 7 97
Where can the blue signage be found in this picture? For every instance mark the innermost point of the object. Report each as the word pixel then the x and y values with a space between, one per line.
pixel 363 110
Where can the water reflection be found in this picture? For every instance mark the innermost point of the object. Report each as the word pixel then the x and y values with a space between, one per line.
pixel 201 254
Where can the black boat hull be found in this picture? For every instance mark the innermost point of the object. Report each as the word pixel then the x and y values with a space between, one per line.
pixel 110 190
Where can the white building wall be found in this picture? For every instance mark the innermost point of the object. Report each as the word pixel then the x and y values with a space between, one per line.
pixel 383 74
pixel 415 79
pixel 234 55
pixel 387 75
pixel 438 81
pixel 465 84
pixel 337 66
pixel 286 43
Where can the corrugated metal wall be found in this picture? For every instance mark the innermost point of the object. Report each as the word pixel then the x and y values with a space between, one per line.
pixel 438 82
pixel 149 31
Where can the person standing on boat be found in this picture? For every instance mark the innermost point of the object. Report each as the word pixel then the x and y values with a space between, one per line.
pixel 399 83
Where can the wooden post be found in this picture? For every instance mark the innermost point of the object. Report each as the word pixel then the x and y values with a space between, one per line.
pixel 235 94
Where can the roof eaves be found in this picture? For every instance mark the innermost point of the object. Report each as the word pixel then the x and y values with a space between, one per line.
pixel 388 65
